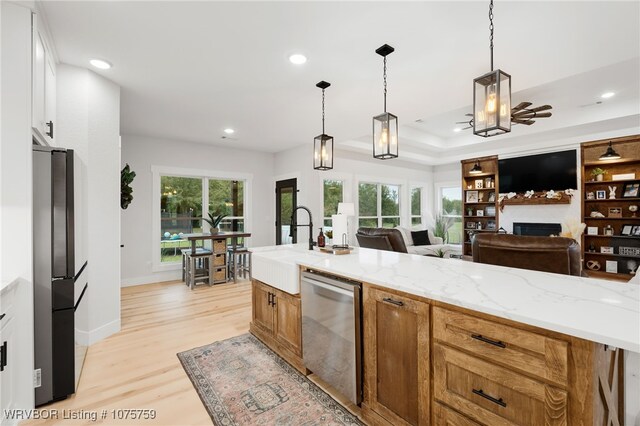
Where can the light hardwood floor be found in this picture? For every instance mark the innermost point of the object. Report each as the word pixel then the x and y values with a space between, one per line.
pixel 138 367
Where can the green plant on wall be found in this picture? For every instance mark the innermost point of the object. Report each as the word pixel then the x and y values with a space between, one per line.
pixel 126 191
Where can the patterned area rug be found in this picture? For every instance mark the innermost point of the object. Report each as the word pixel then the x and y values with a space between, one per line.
pixel 242 382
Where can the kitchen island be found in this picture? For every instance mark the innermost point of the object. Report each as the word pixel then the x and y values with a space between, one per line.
pixel 478 344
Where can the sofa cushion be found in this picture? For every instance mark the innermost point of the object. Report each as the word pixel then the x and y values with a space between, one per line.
pixel 420 238
pixel 406 235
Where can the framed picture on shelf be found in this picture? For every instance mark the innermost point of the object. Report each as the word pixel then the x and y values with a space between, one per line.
pixel 615 212
pixel 492 197
pixel 479 212
pixel 472 196
pixel 490 210
pixel 601 195
pixel 612 266
pixel 635 231
pixel 491 224
pixel 623 176
pixel 471 225
pixel 606 250
pixel 592 230
pixel 479 184
pixel 630 190
pixel 626 230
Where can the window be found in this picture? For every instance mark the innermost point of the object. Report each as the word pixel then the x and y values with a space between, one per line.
pixel 378 205
pixel 451 209
pixel 416 206
pixel 226 197
pixel 332 194
pixel 181 212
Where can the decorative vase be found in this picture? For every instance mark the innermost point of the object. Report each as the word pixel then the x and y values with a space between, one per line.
pixel 599 178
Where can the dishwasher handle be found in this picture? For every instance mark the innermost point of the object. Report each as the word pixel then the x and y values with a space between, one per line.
pixel 329 287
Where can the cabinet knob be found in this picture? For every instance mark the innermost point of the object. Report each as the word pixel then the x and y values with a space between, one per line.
pixel 50 131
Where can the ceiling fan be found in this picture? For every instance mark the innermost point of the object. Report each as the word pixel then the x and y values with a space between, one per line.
pixel 520 114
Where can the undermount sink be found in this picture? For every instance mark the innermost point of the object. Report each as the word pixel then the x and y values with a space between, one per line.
pixel 279 268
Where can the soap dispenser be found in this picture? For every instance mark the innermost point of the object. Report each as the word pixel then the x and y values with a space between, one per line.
pixel 321 239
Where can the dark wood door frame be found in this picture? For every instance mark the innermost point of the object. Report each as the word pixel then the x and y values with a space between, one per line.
pixel 280 185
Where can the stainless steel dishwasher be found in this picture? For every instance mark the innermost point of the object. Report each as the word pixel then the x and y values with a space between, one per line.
pixel 331 331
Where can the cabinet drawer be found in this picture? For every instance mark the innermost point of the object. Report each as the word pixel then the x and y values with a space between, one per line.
pixel 512 347
pixel 445 416
pixel 493 395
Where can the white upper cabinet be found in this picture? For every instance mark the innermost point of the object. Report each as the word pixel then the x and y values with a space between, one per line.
pixel 43 107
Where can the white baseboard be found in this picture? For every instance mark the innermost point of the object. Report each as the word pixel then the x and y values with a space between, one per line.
pixel 154 278
pixel 88 338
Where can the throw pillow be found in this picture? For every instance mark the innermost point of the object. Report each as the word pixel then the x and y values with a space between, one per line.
pixel 420 238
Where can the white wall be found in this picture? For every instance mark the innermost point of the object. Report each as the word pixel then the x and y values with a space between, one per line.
pixel 142 153
pixel 16 248
pixel 88 111
pixel 351 168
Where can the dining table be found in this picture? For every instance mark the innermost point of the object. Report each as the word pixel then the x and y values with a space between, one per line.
pixel 202 236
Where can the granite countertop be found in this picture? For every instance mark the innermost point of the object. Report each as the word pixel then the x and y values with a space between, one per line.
pixel 597 310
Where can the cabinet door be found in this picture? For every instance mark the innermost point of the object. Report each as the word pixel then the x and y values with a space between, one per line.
pixel 8 377
pixel 49 96
pixel 396 369
pixel 262 309
pixel 288 321
pixel 38 83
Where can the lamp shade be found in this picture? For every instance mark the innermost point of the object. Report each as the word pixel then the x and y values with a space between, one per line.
pixel 610 153
pixel 492 104
pixel 347 209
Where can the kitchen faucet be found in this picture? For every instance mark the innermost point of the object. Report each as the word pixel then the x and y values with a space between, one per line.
pixel 310 225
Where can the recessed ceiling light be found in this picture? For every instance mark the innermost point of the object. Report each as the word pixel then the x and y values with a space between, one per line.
pixel 457 129
pixel 99 63
pixel 607 95
pixel 297 59
pixel 229 131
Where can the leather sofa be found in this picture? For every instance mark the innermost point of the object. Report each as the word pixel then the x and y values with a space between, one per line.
pixel 381 239
pixel 548 254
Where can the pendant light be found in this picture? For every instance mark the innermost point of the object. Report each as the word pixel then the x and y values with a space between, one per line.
pixel 492 97
pixel 476 169
pixel 385 125
pixel 610 154
pixel 323 144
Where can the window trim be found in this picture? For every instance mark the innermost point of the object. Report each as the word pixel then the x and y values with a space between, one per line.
pixel 438 191
pixel 158 171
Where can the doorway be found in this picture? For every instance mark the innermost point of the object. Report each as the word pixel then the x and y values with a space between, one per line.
pixel 286 201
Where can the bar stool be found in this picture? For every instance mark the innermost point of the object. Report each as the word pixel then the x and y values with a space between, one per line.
pixel 239 262
pixel 199 267
pixel 185 264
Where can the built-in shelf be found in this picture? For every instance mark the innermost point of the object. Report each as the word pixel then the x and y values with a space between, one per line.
pixel 609 182
pixel 612 218
pixel 606 200
pixel 490 185
pixel 608 275
pixel 632 237
pixel 481 189
pixel 480 217
pixel 604 164
pixel 593 253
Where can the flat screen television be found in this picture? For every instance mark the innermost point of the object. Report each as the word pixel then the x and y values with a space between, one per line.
pixel 542 172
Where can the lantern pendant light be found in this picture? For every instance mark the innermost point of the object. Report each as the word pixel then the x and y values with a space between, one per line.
pixel 385 125
pixel 492 97
pixel 323 144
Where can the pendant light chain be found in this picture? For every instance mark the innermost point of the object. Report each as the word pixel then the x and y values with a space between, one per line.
pixel 384 78
pixel 491 31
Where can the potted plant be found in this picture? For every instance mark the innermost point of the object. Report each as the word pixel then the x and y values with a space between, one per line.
pixel 598 173
pixel 214 222
pixel 126 192
pixel 441 227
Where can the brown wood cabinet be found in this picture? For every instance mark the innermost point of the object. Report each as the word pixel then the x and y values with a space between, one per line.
pixel 479 198
pixel 396 357
pixel 277 321
pixel 611 249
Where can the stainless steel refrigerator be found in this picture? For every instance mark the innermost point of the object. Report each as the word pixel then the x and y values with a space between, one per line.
pixel 55 299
